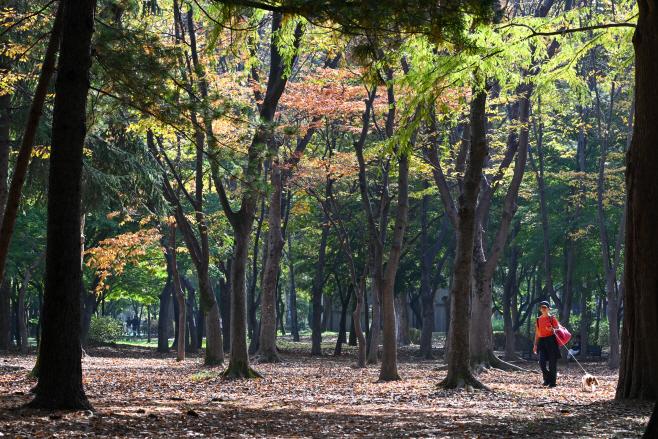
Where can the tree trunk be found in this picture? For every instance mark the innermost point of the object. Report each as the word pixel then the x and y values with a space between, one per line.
pixel 181 338
pixel 25 152
pixel 389 370
pixel 238 366
pixel 294 323
pixel 225 299
pixel 638 375
pixel 267 352
pixel 402 320
pixel 318 284
pixel 584 324
pixel 163 316
pixel 191 337
pixel 459 372
pixel 375 324
pixel 60 380
pixel 509 290
pixel 5 148
pixel 5 314
pixel 342 331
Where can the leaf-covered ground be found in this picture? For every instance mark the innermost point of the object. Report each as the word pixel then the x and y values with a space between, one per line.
pixel 139 393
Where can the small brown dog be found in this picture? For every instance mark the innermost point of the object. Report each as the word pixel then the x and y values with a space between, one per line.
pixel 589 383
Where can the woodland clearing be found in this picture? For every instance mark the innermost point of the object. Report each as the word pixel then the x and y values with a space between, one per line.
pixel 137 392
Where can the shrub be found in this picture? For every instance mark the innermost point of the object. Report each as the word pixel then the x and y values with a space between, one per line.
pixel 415 334
pixel 103 330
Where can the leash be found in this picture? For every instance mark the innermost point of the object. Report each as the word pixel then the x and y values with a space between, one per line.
pixel 573 356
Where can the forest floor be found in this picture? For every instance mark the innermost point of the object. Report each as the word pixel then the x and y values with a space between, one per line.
pixel 137 392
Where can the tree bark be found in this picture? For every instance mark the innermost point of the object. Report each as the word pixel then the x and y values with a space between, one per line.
pixel 638 375
pixel 60 380
pixel 402 320
pixel 225 301
pixel 267 352
pixel 509 290
pixel 459 371
pixel 180 297
pixel 192 327
pixel 294 324
pixel 163 315
pixel 316 298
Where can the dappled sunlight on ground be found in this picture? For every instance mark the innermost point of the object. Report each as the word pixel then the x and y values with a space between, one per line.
pixel 155 396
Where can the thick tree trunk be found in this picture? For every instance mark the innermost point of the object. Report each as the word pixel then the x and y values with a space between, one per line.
pixel 389 370
pixel 638 374
pixel 163 316
pixel 267 352
pixel 60 380
pixel 238 366
pixel 459 372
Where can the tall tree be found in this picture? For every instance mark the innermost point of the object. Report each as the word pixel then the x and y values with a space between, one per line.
pixel 638 376
pixel 60 378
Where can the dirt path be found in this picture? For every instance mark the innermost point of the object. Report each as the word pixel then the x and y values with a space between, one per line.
pixel 139 393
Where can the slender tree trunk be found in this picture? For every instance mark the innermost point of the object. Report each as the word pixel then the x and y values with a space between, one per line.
pixel 638 374
pixel 180 297
pixel 318 284
pixel 5 148
pixel 508 291
pixel 21 302
pixel 163 316
pixel 294 323
pixel 584 321
pixel 5 314
pixel 225 299
pixel 375 324
pixel 25 152
pixel 191 342
pixel 402 320
pixel 60 380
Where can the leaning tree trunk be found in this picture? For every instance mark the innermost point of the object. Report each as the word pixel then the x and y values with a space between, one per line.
pixel 60 380
pixel 5 148
pixel 638 374
pixel 459 356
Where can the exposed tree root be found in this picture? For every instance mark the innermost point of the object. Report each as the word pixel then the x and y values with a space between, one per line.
pixel 490 360
pixel 426 355
pixel 240 371
pixel 271 356
pixel 462 381
pixel 444 367
pixel 60 402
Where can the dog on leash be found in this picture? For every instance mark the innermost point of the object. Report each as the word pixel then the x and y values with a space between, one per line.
pixel 589 383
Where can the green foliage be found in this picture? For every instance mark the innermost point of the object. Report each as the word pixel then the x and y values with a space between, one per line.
pixel 104 330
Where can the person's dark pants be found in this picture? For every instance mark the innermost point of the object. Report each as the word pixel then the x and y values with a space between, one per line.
pixel 550 374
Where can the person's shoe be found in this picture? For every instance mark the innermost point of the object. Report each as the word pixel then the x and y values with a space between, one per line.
pixel 545 383
pixel 550 386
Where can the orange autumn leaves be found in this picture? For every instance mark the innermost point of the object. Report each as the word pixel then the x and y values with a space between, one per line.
pixel 112 255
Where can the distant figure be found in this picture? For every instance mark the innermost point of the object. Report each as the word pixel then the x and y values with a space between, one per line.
pixel 129 325
pixel 546 344
pixel 575 349
pixel 136 325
